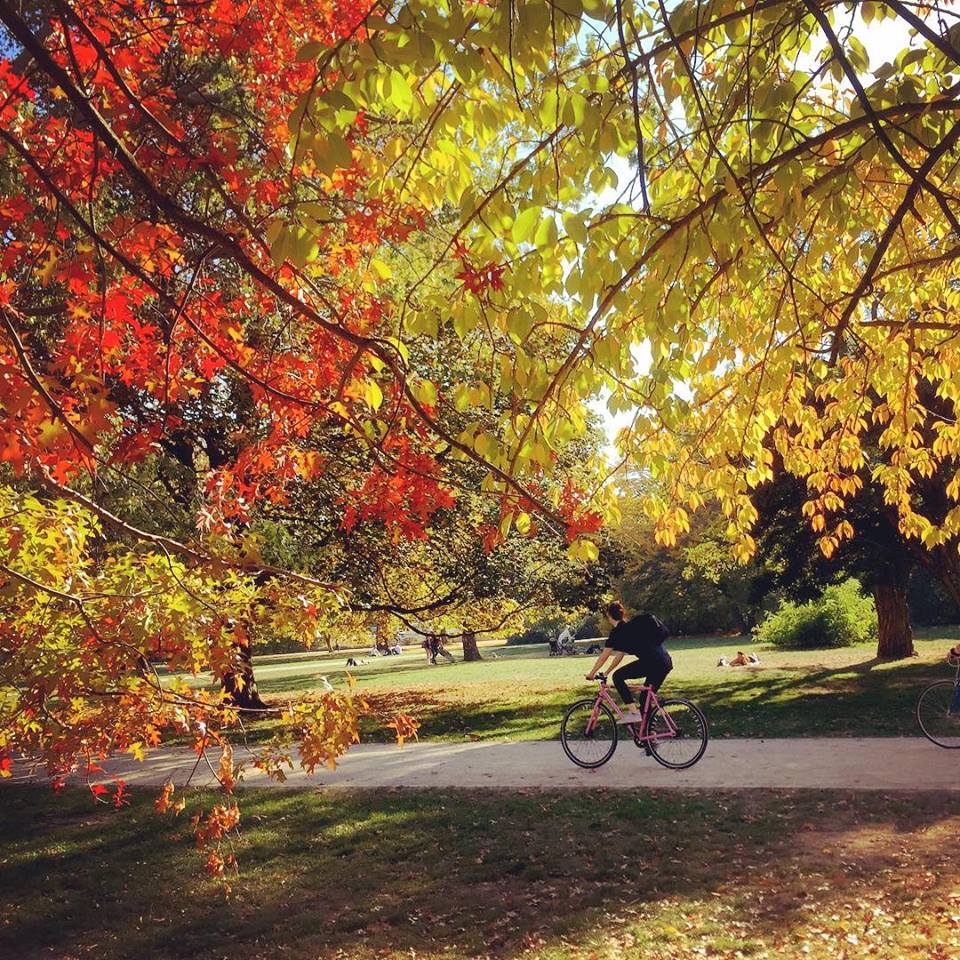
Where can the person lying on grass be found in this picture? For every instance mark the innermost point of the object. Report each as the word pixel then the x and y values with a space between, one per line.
pixel 641 637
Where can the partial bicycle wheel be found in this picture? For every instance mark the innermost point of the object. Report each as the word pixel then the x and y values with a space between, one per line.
pixel 938 724
pixel 678 733
pixel 591 748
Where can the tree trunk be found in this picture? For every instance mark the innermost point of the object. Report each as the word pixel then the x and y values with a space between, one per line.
pixel 241 686
pixel 470 650
pixel 895 639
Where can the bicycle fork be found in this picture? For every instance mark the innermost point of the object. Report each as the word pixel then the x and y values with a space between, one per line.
pixel 592 722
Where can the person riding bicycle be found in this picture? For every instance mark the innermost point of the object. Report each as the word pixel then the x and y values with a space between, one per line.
pixel 641 637
pixel 953 710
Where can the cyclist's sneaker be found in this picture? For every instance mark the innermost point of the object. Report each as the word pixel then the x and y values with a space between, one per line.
pixel 631 716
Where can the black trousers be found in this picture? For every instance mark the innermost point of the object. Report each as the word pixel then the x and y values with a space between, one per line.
pixel 654 665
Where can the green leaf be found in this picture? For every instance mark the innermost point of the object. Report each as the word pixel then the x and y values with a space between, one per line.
pixel 303 246
pixel 525 225
pixel 573 108
pixel 575 228
pixel 426 392
pixel 549 110
pixel 310 51
pixel 381 269
pixel 399 95
pixel 280 244
pixel 546 235
pixel 332 152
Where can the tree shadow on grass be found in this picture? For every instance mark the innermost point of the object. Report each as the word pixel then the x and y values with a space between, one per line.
pixel 464 873
pixel 850 700
pixel 869 698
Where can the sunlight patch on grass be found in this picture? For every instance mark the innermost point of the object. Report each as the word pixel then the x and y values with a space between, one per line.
pixel 522 695
pixel 517 875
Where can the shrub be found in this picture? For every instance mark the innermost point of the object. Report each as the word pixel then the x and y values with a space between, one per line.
pixel 548 628
pixel 592 626
pixel 842 616
pixel 544 630
pixel 532 635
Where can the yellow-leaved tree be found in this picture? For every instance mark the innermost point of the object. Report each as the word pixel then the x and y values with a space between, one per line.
pixel 724 219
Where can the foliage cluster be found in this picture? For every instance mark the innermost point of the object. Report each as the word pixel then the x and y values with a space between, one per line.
pixel 842 616
pixel 303 307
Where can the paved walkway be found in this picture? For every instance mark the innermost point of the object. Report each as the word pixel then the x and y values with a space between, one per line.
pixel 858 764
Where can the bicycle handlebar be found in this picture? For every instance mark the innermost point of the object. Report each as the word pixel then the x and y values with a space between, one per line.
pixel 952 658
pixel 602 677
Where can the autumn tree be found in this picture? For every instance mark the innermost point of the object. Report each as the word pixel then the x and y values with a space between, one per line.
pixel 229 228
pixel 199 318
pixel 696 585
pixel 783 250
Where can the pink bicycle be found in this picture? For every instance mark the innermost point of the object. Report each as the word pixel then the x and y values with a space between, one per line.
pixel 673 732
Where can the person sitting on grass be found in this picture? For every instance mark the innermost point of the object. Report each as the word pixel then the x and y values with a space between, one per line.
pixel 641 637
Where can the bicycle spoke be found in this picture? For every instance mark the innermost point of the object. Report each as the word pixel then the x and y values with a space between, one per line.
pixel 937 714
pixel 678 733
pixel 587 739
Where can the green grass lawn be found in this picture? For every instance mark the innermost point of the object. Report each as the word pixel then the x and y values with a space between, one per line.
pixel 519 693
pixel 390 875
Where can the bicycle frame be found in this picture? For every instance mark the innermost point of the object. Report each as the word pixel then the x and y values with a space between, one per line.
pixel 955 662
pixel 650 701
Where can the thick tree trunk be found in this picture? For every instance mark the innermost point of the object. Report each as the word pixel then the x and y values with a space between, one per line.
pixel 893 617
pixel 471 651
pixel 241 687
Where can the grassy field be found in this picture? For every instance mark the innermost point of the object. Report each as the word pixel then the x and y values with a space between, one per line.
pixel 519 693
pixel 599 876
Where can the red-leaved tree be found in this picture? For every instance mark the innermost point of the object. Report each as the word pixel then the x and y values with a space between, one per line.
pixel 176 353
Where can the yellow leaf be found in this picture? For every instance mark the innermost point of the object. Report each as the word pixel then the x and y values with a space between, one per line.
pixel 373 394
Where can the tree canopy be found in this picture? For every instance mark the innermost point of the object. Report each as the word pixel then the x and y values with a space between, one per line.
pixel 381 261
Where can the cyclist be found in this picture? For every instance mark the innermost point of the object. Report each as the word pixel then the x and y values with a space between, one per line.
pixel 954 709
pixel 641 637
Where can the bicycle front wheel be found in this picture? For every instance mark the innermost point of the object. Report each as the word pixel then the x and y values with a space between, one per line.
pixel 588 739
pixel 938 723
pixel 678 733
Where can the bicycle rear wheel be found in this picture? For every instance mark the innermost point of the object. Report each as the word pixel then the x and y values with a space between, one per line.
pixel 938 724
pixel 591 748
pixel 678 733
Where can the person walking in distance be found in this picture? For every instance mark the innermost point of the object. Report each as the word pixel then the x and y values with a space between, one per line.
pixel 641 637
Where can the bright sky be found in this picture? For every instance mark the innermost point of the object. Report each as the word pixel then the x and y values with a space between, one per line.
pixel 883 41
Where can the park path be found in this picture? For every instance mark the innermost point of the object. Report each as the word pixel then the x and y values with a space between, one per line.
pixel 822 763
